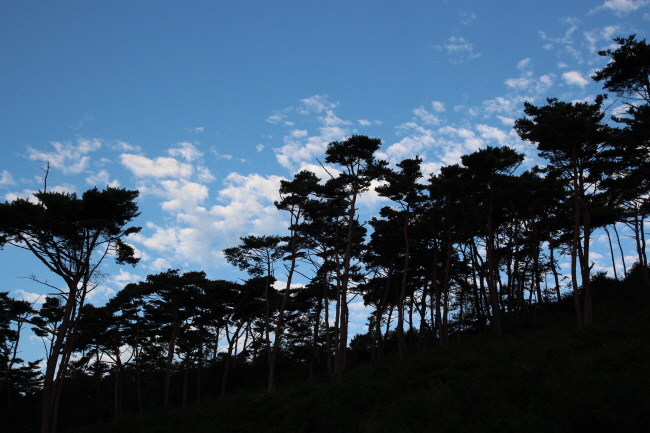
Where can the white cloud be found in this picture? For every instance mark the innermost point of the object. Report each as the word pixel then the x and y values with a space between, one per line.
pixel 458 49
pixel 426 117
pixel 417 141
pixel 466 17
pixel 606 34
pixel 69 158
pixel 575 78
pixel 163 239
pixel 218 155
pixel 366 122
pixel 504 104
pixel 182 195
pixel 142 166
pixel 123 277
pixel 199 234
pixel 160 264
pixel 490 133
pixel 330 119
pixel 507 121
pixel 32 298
pixel 27 194
pixel 438 106
pixel 249 207
pixel 276 117
pixel 518 83
pixel 187 150
pixel 316 104
pixel 294 152
pixel 122 146
pixel 523 65
pixel 621 7
pixel 204 175
pixel 259 147
pixel 298 151
pixel 6 178
pixel 297 133
pixel 102 179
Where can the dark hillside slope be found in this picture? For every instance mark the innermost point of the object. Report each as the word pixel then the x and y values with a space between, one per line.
pixel 545 376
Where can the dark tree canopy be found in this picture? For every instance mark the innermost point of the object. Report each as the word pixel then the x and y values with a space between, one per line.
pixel 628 72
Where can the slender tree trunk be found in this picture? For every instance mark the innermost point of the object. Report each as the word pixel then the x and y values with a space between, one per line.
pixel 618 240
pixel 611 252
pixel 232 339
pixel 574 248
pixel 279 329
pixel 491 274
pixel 328 344
pixel 586 268
pixel 48 401
pixel 401 344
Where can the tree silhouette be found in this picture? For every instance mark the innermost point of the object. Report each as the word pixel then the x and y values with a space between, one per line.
pixel 573 138
pixel 71 236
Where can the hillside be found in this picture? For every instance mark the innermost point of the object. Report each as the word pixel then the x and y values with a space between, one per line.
pixel 545 375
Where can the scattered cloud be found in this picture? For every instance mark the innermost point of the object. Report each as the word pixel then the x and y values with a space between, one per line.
pixel 204 175
pixel 6 178
pixel 259 147
pixel 458 49
pixel 187 150
pixel 182 195
pixel 365 122
pixel 606 35
pixel 299 147
pixel 426 117
pixel 218 155
pixel 70 158
pixel 575 78
pixel 80 123
pixel 123 277
pixel 417 140
pixel 466 17
pixel 316 104
pixel 621 8
pixel 102 179
pixel 438 106
pixel 297 133
pixel 32 298
pixel 142 166
pixel 566 41
pixel 122 146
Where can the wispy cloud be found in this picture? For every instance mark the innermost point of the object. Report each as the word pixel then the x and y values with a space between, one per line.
pixel 316 104
pixel 621 8
pixel 6 178
pixel 67 157
pixel 366 122
pixel 187 150
pixel 466 17
pixel 102 179
pixel 300 147
pixel 458 49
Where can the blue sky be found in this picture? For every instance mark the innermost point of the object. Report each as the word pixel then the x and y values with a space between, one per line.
pixel 204 106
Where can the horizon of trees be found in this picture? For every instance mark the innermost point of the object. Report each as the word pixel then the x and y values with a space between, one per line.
pixel 461 250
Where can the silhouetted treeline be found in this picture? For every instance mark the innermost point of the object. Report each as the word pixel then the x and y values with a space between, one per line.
pixel 466 250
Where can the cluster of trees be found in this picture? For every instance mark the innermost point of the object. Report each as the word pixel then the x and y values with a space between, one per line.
pixel 465 249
